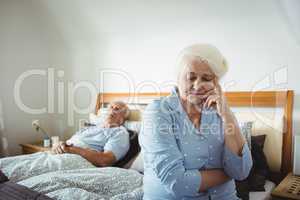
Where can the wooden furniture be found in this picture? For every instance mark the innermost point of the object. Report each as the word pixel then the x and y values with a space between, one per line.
pixel 33 148
pixel 268 99
pixel 289 188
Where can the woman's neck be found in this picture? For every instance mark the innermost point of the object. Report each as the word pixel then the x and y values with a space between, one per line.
pixel 193 111
pixel 190 108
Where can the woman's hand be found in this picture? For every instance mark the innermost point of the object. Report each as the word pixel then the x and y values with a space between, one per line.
pixel 218 100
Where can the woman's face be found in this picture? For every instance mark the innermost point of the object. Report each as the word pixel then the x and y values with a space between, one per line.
pixel 195 81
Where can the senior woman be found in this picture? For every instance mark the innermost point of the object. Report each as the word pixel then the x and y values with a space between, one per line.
pixel 191 142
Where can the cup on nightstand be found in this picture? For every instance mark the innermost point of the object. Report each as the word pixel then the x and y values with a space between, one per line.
pixel 54 140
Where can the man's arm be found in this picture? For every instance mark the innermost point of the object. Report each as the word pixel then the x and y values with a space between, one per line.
pixel 99 159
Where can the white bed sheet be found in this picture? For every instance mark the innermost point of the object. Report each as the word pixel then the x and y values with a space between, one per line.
pixel 266 195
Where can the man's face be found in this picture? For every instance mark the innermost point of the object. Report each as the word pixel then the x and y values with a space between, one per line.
pixel 116 114
pixel 195 81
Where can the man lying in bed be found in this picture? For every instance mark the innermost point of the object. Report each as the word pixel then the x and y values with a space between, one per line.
pixel 95 146
pixel 101 145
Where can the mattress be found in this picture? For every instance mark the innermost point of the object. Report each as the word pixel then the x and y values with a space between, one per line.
pixel 266 195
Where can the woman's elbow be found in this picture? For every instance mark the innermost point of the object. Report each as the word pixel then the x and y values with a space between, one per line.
pixel 246 170
pixel 176 188
pixel 240 173
pixel 241 176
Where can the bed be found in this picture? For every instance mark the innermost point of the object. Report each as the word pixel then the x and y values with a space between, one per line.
pixel 270 112
pixel 119 183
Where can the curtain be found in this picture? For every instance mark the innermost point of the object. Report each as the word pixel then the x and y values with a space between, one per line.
pixel 2 150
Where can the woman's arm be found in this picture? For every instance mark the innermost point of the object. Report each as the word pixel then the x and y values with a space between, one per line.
pixel 234 140
pixel 211 178
pixel 237 160
pixel 162 155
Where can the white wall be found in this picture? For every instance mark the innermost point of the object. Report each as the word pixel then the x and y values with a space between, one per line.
pixel 30 39
pixel 24 46
pixel 142 38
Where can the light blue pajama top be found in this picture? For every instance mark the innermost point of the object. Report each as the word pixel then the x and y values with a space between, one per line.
pixel 174 151
pixel 98 138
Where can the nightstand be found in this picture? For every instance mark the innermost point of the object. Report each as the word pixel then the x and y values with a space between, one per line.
pixel 34 147
pixel 289 188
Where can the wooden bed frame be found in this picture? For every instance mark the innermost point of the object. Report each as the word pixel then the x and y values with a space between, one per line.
pixel 266 99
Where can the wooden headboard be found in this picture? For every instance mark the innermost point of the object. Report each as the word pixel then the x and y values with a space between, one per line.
pixel 266 99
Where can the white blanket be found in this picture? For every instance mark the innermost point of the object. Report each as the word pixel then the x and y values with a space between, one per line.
pixel 69 177
pixel 21 167
pixel 94 183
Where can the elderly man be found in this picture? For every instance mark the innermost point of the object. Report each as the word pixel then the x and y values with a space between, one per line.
pixel 101 145
pixel 96 146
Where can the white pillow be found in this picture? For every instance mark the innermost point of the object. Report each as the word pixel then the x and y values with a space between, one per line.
pixel 138 163
pixel 99 118
pixel 102 114
pixel 96 120
pixel 133 125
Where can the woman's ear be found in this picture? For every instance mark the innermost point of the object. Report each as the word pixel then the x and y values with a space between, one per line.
pixel 217 85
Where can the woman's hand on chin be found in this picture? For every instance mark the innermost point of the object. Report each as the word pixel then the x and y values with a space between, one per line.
pixel 217 100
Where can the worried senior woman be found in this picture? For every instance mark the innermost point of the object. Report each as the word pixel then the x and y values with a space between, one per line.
pixel 191 142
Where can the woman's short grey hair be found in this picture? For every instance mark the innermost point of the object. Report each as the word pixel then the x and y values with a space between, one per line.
pixel 205 52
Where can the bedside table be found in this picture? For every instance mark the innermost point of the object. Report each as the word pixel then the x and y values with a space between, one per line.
pixel 289 188
pixel 34 147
